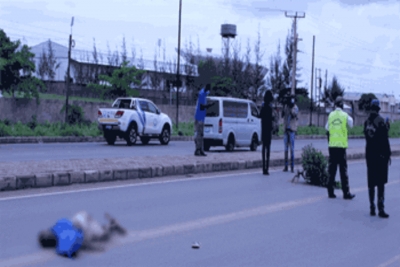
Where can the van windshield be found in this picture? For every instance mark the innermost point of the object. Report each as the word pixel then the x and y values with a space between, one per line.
pixel 212 111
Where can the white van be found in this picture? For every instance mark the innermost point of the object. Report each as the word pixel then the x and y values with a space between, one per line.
pixel 232 122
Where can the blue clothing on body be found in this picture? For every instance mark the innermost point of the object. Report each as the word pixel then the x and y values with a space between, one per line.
pixel 69 238
pixel 200 115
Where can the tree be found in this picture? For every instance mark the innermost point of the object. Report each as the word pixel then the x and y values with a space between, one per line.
pixel 124 54
pixel 120 83
pixel 275 79
pixel 365 101
pixel 333 91
pixel 48 64
pixel 16 68
pixel 259 71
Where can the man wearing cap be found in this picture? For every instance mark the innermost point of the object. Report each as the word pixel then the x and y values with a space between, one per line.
pixel 378 154
pixel 289 115
pixel 338 143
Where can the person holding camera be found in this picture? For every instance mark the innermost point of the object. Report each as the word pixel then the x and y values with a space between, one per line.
pixel 289 115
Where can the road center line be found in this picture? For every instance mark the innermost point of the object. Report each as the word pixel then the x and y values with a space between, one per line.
pixel 138 236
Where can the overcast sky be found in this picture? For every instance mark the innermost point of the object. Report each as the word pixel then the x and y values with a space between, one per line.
pixel 356 40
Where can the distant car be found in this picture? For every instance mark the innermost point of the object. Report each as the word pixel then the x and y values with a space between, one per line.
pixel 232 122
pixel 132 118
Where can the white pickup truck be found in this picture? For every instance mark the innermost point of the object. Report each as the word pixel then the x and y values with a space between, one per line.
pixel 130 118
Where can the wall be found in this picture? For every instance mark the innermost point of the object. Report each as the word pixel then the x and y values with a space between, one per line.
pixel 49 110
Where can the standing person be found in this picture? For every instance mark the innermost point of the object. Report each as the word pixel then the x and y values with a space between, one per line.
pixel 378 154
pixel 289 115
pixel 338 143
pixel 68 236
pixel 266 129
pixel 199 117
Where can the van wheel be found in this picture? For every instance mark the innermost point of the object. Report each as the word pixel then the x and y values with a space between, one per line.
pixel 131 135
pixel 231 143
pixel 206 146
pixel 110 137
pixel 254 143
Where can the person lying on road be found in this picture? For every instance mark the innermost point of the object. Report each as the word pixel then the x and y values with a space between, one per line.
pixel 80 232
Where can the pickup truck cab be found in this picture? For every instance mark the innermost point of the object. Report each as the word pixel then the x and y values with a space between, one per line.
pixel 132 118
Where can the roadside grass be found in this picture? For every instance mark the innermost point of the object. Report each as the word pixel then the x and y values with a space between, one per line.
pixel 187 129
pixel 48 129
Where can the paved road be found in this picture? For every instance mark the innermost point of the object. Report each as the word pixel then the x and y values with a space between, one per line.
pixel 60 151
pixel 240 219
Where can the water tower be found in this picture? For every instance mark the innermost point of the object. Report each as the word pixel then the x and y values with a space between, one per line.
pixel 228 31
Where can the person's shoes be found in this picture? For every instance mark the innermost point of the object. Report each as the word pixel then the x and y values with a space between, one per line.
pixel 285 169
pixel 372 212
pixel 202 153
pixel 332 195
pixel 265 172
pixel 349 196
pixel 292 169
pixel 383 214
pixel 197 152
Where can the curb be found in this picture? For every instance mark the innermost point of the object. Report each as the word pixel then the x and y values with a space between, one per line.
pixel 75 139
pixel 92 176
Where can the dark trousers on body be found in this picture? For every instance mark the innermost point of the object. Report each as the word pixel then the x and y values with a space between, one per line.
pixel 337 156
pixel 266 151
pixel 381 196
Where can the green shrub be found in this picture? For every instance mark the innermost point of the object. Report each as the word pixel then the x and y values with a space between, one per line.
pixel 75 114
pixel 187 128
pixel 20 129
pixel 4 130
pixel 315 166
pixel 33 123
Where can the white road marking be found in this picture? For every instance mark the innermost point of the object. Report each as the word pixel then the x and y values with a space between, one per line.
pixel 127 185
pixel 100 188
pixel 391 261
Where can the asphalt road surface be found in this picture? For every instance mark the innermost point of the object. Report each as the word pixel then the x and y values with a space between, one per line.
pixel 238 218
pixel 60 151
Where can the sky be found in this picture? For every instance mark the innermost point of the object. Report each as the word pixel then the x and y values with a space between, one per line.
pixel 358 41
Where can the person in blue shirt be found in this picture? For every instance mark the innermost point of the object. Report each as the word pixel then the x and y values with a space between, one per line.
pixel 200 115
pixel 68 236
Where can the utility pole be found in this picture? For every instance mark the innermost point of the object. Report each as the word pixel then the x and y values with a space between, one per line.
pixel 312 79
pixel 295 16
pixel 178 67
pixel 319 91
pixel 68 74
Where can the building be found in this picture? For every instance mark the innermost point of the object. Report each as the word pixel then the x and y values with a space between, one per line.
pixel 388 102
pixel 84 68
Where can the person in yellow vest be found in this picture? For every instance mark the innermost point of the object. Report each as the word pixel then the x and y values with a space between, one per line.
pixel 338 143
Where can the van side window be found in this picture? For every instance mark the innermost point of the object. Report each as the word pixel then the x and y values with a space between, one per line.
pixel 242 110
pixel 229 109
pixel 254 110
pixel 234 109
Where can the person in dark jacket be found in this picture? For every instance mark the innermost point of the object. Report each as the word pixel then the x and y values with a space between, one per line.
pixel 378 154
pixel 266 129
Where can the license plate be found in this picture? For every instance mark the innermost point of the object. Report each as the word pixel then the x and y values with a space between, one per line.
pixel 109 127
pixel 207 129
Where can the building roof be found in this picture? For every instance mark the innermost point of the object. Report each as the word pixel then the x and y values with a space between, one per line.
pixel 81 56
pixel 386 98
